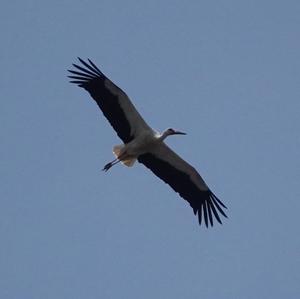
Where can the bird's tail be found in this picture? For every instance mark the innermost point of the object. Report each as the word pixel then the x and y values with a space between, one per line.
pixel 117 150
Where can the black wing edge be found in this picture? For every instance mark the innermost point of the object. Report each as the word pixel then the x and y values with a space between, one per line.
pixel 84 76
pixel 207 207
pixel 89 77
pixel 204 203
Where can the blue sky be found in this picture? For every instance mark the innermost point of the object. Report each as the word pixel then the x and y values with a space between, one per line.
pixel 227 73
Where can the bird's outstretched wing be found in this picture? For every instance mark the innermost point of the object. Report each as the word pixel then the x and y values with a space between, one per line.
pixel 185 180
pixel 114 103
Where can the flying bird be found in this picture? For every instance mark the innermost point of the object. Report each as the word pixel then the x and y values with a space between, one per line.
pixel 142 143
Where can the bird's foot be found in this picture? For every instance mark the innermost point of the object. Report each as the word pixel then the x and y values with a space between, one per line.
pixel 107 166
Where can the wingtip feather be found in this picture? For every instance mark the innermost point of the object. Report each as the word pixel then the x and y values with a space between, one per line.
pixel 218 207
pixel 205 214
pixel 200 215
pixel 209 213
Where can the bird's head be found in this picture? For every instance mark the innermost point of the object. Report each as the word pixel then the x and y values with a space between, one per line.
pixel 171 131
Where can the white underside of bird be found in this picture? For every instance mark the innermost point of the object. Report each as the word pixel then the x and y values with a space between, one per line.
pixel 128 153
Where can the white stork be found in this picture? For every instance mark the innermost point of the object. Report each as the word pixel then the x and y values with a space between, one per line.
pixel 145 144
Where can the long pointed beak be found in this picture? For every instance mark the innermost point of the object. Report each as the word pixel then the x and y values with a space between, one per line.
pixel 179 133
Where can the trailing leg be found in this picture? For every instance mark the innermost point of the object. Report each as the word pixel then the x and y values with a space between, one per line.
pixel 110 164
pixel 113 162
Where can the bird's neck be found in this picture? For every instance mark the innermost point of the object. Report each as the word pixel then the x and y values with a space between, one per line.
pixel 163 136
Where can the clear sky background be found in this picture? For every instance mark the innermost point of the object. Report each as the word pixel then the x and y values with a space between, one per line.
pixel 227 73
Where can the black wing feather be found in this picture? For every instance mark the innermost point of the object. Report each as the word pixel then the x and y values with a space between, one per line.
pixel 80 74
pixel 209 213
pixel 93 80
pixel 181 183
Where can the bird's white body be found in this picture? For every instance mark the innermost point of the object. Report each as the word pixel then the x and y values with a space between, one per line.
pixel 128 153
pixel 144 144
